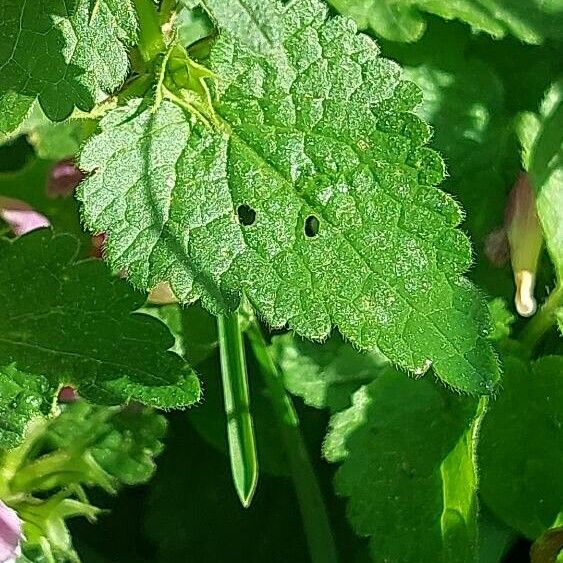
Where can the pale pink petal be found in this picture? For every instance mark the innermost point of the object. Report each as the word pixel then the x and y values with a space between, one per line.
pixel 10 534
pixel 20 216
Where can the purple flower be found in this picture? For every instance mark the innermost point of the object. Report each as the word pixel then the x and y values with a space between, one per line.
pixel 63 179
pixel 10 534
pixel 21 217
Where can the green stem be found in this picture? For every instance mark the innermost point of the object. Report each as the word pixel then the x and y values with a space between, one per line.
pixel 166 9
pixel 151 40
pixel 311 504
pixel 240 428
pixel 543 320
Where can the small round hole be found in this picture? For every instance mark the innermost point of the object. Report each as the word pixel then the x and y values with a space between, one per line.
pixel 312 226
pixel 246 215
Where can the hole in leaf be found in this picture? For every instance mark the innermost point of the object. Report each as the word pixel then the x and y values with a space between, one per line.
pixel 246 215
pixel 312 226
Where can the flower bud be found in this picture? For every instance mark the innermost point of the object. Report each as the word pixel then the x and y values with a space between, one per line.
pixel 67 394
pixel 63 179
pixel 525 240
pixel 10 534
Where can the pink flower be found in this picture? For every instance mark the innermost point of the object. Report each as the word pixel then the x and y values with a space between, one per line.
pixel 63 179
pixel 10 534
pixel 20 216
pixel 520 238
pixel 525 239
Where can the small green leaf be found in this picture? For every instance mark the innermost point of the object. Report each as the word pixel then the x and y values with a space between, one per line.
pixel 72 323
pixel 59 53
pixel 325 375
pixel 521 445
pixel 192 24
pixel 15 109
pixel 123 442
pixel 408 470
pixel 502 319
pixel 22 397
pixel 310 189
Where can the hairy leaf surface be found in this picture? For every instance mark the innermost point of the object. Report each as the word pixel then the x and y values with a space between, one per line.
pixel 23 396
pixel 310 189
pixel 255 22
pixel 408 470
pixel 72 323
pixel 63 53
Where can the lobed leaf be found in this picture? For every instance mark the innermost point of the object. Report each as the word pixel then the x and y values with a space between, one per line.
pixel 325 375
pixel 309 188
pixel 408 470
pixel 63 53
pixel 73 324
pixel 122 442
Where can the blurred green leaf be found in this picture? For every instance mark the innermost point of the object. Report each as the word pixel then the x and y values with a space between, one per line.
pixel 521 446
pixel 541 137
pixel 325 375
pixel 405 20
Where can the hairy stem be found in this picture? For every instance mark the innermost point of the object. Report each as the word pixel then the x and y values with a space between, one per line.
pixel 544 319
pixel 240 428
pixel 311 504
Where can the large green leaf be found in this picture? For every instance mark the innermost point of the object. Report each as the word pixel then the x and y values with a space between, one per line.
pixel 307 187
pixel 521 446
pixel 65 53
pixel 404 20
pixel 408 470
pixel 72 323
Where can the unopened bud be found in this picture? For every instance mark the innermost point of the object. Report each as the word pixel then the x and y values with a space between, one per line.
pixel 496 248
pixel 525 240
pixel 67 394
pixel 63 179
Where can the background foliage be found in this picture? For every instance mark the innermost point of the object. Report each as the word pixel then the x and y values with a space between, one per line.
pixel 265 158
